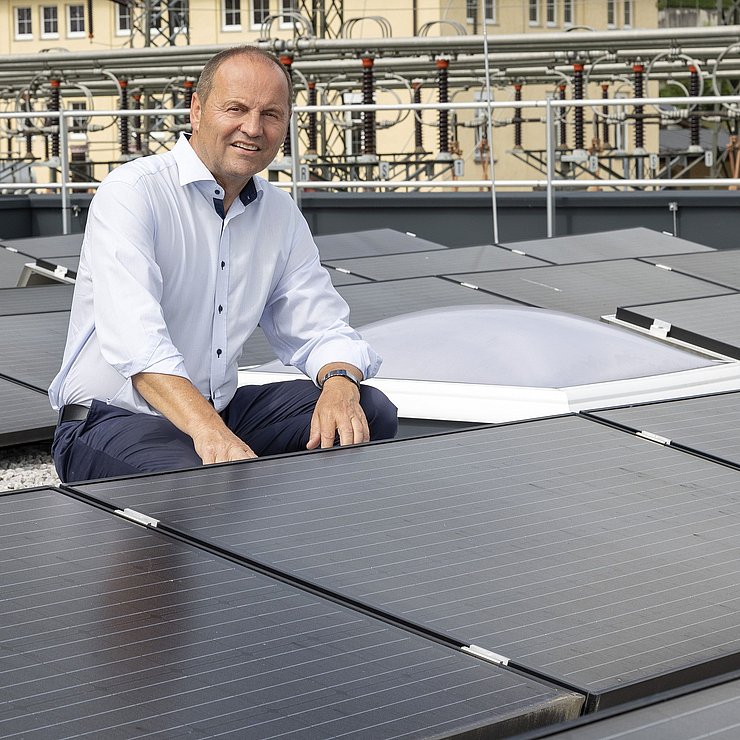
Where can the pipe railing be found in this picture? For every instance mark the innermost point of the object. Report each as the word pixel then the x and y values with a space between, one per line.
pixel 550 183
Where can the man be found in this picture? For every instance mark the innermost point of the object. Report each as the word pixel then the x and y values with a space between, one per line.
pixel 184 254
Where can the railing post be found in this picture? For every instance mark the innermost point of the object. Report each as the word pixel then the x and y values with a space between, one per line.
pixel 550 154
pixel 64 166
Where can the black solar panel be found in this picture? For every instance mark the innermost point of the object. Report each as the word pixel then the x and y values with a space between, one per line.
pixel 592 289
pixel 109 630
pixel 11 267
pixel 438 262
pixel 710 323
pixel 377 301
pixel 46 246
pixel 35 299
pixel 33 346
pixel 372 242
pixel 26 415
pixel 607 245
pixel 721 266
pixel 710 713
pixel 709 425
pixel 576 550
pixel 62 266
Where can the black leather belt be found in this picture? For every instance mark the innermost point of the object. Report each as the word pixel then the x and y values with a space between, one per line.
pixel 73 412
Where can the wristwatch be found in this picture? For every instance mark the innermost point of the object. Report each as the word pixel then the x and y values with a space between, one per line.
pixel 339 373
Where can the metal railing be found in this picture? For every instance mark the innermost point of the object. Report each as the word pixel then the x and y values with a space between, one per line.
pixel 551 183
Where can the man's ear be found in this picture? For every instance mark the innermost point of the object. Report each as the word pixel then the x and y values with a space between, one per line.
pixel 195 111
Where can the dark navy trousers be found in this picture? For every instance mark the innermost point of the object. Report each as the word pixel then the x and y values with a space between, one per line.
pixel 272 419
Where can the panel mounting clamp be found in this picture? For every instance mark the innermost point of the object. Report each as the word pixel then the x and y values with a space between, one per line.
pixel 487 655
pixel 660 328
pixel 138 517
pixel 654 437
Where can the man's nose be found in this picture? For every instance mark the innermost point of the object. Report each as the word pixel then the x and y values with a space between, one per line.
pixel 251 123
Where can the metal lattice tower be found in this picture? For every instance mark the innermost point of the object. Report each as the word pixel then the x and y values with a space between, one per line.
pixel 159 22
pixel 327 16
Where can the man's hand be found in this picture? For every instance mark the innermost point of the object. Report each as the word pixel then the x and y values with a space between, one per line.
pixel 180 402
pixel 338 410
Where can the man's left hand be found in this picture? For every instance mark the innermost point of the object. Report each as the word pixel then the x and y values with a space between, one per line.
pixel 338 410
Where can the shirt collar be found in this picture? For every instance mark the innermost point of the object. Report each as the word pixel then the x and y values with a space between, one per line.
pixel 191 170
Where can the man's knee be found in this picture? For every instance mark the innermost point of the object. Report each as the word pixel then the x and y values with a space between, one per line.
pixel 382 415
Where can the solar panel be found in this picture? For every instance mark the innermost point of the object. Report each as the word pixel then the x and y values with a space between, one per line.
pixel 371 242
pixel 709 425
pixel 607 245
pixel 63 266
pixel 709 322
pixel 33 346
pixel 11 267
pixel 62 245
pixel 35 299
pixel 712 712
pixel 111 630
pixel 27 415
pixel 579 552
pixel 721 266
pixel 438 262
pixel 377 301
pixel 592 289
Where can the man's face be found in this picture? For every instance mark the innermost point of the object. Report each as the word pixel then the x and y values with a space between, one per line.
pixel 239 129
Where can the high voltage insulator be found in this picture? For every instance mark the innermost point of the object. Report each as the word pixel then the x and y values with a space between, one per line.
pixel 313 139
pixel 137 121
pixel 444 115
pixel 561 118
pixel 188 94
pixel 639 71
pixel 368 117
pixel 518 116
pixel 54 99
pixel 605 113
pixel 123 105
pixel 694 91
pixel 578 114
pixel 418 132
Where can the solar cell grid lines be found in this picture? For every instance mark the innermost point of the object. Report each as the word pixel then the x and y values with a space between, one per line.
pixel 720 266
pixel 438 262
pixel 576 550
pixel 109 630
pixel 593 289
pixel 606 245
pixel 369 243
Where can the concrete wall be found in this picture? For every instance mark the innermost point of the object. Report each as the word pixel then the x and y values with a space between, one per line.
pixel 457 219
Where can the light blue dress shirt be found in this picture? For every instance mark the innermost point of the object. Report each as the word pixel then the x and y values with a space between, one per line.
pixel 166 285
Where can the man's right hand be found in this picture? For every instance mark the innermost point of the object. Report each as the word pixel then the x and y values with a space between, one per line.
pixel 180 402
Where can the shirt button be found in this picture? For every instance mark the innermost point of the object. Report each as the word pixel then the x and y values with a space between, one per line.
pixel 223 264
pixel 218 353
pixel 220 309
pixel 218 192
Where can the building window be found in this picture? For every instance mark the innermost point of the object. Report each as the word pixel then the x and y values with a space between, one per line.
pixel 23 23
pixel 611 13
pixel 124 22
pixel 490 9
pixel 49 22
pixel 534 12
pixel 568 13
pixel 232 14
pixel 551 10
pixel 79 123
pixel 286 8
pixel 260 11
pixel 75 20
pixel 178 14
pixel 628 13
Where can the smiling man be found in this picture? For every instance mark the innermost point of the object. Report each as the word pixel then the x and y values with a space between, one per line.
pixel 184 254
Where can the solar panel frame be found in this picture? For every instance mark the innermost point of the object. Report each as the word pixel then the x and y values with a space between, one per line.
pixel 435 263
pixel 606 245
pixel 27 415
pixel 61 245
pixel 591 289
pixel 370 242
pixel 483 537
pixel 110 629
pixel 11 267
pixel 705 322
pixel 35 299
pixel 721 266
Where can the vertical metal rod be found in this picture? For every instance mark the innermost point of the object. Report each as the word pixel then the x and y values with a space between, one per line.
pixel 550 153
pixel 295 159
pixel 489 124
pixel 64 164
